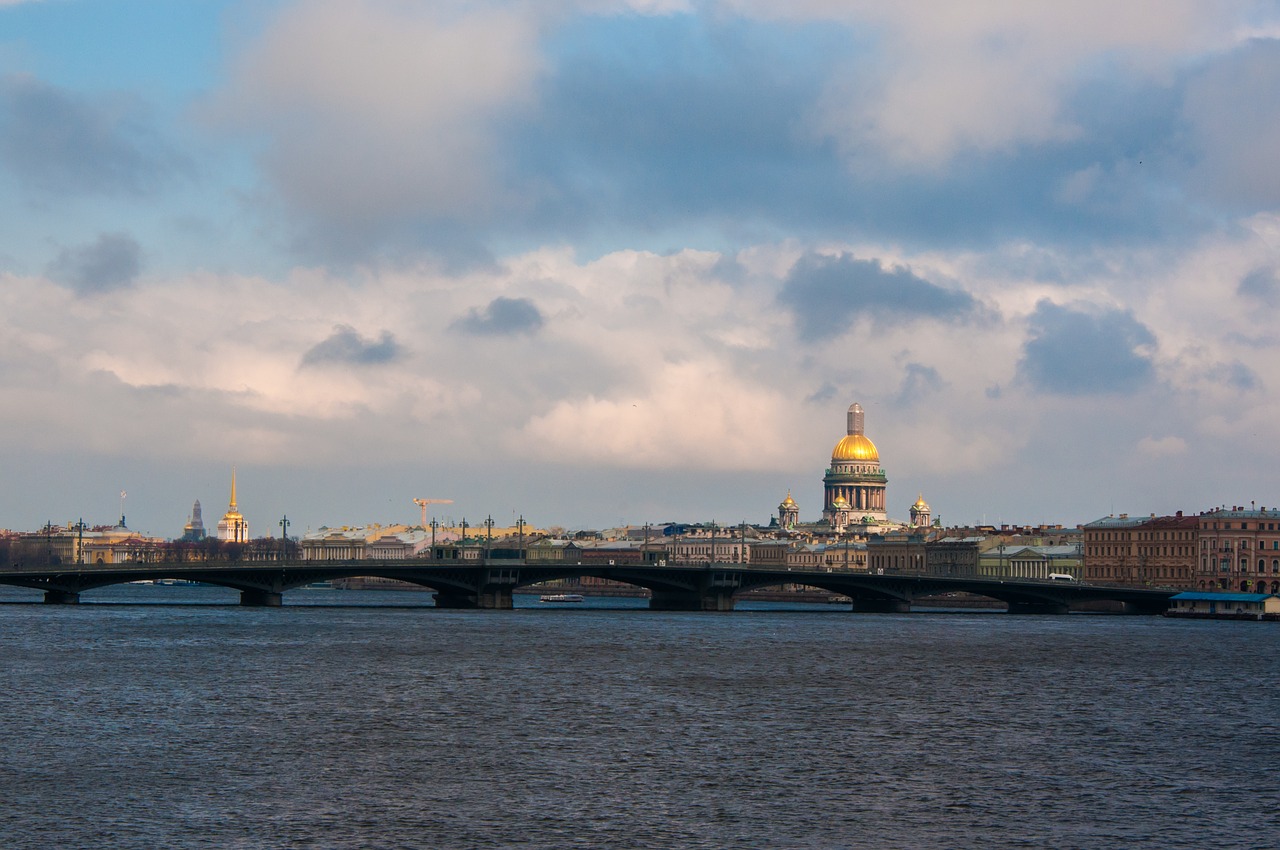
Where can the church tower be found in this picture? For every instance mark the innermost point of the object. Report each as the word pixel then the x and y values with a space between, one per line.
pixel 920 512
pixel 233 527
pixel 854 486
pixel 788 513
pixel 194 529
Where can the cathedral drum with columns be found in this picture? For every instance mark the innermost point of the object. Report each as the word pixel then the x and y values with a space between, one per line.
pixel 854 486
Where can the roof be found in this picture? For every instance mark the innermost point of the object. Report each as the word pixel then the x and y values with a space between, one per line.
pixel 1241 513
pixel 1205 596
pixel 1122 521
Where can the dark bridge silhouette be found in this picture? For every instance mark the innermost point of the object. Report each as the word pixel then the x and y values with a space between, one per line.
pixel 489 583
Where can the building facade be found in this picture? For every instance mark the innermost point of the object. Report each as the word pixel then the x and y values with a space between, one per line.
pixel 1138 551
pixel 1239 550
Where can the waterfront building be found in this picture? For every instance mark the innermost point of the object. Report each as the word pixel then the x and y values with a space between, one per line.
pixel 844 555
pixel 1031 562
pixel 768 553
pixel 615 553
pixel 1225 606
pixel 808 556
pixel 75 544
pixel 553 550
pixel 854 485
pixel 953 556
pixel 1239 550
pixel 896 552
pixel 233 527
pixel 1135 551
pixel 706 546
pixel 365 542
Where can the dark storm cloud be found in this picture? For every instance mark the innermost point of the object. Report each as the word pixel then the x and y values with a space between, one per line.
pixel 112 262
pixel 827 294
pixel 503 317
pixel 684 120
pixel 1262 285
pixel 1084 351
pixel 655 131
pixel 345 346
pixel 64 143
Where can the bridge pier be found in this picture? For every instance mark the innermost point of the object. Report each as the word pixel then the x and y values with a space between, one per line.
pixel 690 600
pixel 256 598
pixel 61 597
pixel 1038 608
pixel 881 606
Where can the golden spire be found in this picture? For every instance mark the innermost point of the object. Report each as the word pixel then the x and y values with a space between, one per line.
pixel 233 488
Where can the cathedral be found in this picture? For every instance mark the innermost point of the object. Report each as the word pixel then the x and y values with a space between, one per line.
pixel 853 487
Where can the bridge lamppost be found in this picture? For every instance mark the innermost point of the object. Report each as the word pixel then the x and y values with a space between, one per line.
pixel 284 537
pixel 520 526
pixel 488 538
pixel 433 537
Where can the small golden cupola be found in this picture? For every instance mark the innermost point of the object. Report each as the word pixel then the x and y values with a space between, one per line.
pixel 920 512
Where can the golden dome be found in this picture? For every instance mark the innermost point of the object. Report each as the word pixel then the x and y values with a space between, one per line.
pixel 840 502
pixel 855 447
pixel 789 502
pixel 921 504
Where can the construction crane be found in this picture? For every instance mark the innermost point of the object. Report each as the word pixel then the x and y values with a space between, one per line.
pixel 422 503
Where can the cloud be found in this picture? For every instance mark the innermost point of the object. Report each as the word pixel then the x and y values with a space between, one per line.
pixel 1083 350
pixel 696 414
pixel 373 110
pixel 66 143
pixel 991 77
pixel 345 346
pixel 1233 109
pixel 1162 446
pixel 503 317
pixel 1239 376
pixel 827 293
pixel 1261 284
pixel 918 383
pixel 112 262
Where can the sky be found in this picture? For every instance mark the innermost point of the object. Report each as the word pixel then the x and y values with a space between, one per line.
pixel 601 261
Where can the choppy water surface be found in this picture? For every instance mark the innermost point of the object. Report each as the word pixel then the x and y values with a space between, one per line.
pixel 350 724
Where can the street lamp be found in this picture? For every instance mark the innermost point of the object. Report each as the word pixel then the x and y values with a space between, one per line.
pixel 284 537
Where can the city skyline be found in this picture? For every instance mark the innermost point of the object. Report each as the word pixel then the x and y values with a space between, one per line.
pixel 596 263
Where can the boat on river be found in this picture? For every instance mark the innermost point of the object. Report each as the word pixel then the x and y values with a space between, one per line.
pixel 561 597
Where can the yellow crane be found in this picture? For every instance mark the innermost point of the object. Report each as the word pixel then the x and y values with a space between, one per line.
pixel 422 503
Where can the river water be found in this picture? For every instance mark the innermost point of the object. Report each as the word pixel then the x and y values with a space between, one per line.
pixel 365 720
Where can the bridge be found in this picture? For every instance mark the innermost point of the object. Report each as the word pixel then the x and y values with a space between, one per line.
pixel 489 583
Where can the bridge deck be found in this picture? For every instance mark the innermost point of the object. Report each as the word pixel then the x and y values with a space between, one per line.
pixel 489 583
